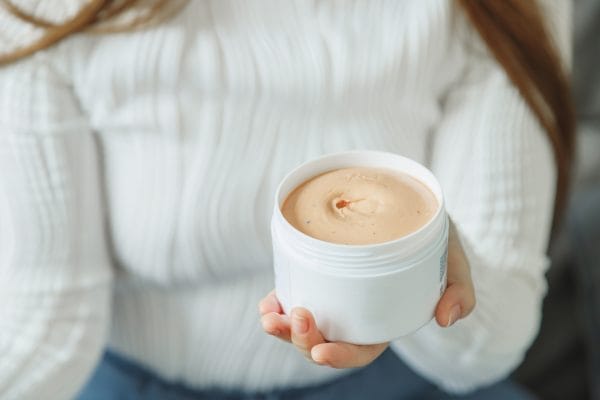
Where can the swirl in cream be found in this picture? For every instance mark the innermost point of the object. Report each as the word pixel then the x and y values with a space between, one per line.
pixel 360 206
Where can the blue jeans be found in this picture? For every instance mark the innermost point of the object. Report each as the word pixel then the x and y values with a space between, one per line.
pixel 386 378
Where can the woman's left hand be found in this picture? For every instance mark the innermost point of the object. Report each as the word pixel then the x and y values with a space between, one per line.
pixel 301 330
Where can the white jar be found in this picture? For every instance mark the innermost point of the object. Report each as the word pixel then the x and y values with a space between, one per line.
pixel 361 294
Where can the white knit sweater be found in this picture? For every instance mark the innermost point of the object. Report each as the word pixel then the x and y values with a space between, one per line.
pixel 137 174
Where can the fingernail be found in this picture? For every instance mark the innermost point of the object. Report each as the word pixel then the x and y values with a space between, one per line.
pixel 274 332
pixel 317 357
pixel 320 361
pixel 454 315
pixel 299 324
pixel 265 326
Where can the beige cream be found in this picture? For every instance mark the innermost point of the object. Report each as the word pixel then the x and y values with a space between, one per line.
pixel 359 206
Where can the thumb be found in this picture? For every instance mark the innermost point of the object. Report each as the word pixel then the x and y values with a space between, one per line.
pixel 456 303
pixel 459 298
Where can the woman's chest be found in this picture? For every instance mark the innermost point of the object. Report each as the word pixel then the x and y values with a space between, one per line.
pixel 294 57
pixel 199 119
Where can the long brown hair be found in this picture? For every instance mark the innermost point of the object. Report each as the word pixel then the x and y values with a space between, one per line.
pixel 513 30
pixel 515 33
pixel 97 16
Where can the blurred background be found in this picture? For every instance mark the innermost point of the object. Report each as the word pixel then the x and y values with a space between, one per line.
pixel 564 361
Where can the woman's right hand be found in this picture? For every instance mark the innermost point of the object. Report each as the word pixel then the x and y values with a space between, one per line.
pixel 301 330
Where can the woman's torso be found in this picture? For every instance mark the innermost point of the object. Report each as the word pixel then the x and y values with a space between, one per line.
pixel 198 119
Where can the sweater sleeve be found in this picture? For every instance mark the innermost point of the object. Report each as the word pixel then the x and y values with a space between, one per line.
pixel 54 267
pixel 496 167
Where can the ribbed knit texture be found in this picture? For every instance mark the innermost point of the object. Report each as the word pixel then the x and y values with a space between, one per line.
pixel 142 167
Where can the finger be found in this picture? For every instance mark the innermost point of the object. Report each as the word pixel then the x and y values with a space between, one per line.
pixel 458 265
pixel 456 303
pixel 305 333
pixel 458 299
pixel 277 325
pixel 346 355
pixel 270 304
pixel 460 291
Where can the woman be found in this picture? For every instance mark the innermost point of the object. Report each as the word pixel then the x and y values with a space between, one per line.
pixel 137 172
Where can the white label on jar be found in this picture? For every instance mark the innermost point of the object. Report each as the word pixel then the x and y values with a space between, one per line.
pixel 443 269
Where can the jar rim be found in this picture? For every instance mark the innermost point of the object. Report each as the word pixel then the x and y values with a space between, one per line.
pixel 366 156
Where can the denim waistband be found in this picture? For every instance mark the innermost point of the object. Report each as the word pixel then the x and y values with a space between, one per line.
pixel 120 378
pixel 387 378
pixel 151 386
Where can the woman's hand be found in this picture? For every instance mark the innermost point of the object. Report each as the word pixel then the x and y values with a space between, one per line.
pixel 458 299
pixel 300 329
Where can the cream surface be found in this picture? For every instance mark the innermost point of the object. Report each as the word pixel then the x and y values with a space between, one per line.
pixel 360 206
